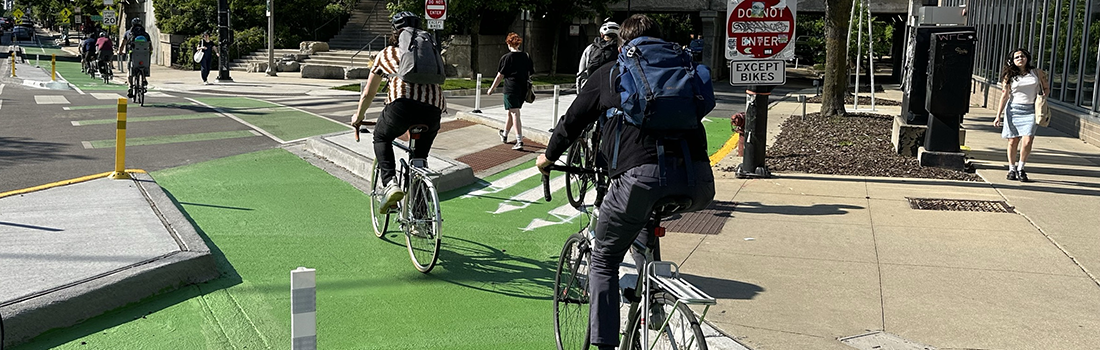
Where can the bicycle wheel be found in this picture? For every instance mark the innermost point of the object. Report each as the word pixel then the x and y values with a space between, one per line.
pixel 422 233
pixel 379 221
pixel 571 294
pixel 576 185
pixel 683 331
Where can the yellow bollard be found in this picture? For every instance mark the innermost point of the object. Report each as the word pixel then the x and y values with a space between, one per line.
pixel 120 143
pixel 53 67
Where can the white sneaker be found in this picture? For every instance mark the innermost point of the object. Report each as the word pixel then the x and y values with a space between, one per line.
pixel 518 146
pixel 393 194
pixel 503 136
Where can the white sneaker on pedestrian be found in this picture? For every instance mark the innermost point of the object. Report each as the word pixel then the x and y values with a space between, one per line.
pixel 518 146
pixel 503 136
pixel 393 194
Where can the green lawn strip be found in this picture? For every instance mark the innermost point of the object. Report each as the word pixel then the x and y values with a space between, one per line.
pixel 149 119
pixel 71 72
pixel 159 140
pixel 268 212
pixel 718 132
pixel 283 122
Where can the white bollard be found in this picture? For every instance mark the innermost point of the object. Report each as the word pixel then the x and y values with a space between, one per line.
pixel 303 309
pixel 477 95
pixel 554 118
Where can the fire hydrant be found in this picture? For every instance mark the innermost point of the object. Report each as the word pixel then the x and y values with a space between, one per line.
pixel 737 124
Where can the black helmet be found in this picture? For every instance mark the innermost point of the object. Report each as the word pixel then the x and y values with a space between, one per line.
pixel 136 22
pixel 102 34
pixel 405 19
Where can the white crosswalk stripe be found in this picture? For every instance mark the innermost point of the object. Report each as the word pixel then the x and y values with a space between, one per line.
pixel 504 182
pixel 51 100
pixel 525 199
pixel 106 95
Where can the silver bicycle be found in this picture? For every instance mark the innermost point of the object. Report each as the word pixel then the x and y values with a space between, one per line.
pixel 660 316
pixel 418 213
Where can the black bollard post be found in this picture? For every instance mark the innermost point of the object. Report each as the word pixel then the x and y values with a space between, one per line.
pixel 756 133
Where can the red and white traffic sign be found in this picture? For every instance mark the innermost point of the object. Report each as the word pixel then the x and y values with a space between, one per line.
pixel 435 9
pixel 760 29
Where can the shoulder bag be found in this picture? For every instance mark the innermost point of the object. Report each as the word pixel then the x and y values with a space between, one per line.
pixel 1042 111
pixel 530 92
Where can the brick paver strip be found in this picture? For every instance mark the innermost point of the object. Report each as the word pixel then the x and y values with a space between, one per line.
pixel 708 221
pixel 498 155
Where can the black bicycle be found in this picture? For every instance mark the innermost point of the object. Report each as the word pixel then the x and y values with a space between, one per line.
pixel 659 316
pixel 141 86
pixel 582 154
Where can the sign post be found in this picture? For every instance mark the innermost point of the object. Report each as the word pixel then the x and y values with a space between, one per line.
pixel 759 37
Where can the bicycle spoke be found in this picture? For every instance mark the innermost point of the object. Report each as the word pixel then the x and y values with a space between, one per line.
pixel 422 225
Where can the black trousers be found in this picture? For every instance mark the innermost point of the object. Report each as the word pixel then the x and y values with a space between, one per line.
pixel 624 213
pixel 205 64
pixel 396 119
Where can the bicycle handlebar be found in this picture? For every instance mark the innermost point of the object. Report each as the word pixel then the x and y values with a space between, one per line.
pixel 562 168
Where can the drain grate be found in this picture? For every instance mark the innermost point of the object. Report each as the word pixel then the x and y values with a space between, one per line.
pixel 960 205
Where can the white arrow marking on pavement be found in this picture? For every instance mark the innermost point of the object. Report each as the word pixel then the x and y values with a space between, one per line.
pixel 525 199
pixel 504 182
pixel 564 214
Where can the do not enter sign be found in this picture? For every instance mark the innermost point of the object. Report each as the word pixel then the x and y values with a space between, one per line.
pixel 435 9
pixel 760 29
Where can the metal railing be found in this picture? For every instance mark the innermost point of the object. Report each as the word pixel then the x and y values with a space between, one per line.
pixel 351 62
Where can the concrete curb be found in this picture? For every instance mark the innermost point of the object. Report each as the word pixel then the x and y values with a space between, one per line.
pixel 540 136
pixel 452 176
pixel 31 315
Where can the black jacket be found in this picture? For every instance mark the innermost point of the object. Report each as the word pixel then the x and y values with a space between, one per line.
pixel 636 146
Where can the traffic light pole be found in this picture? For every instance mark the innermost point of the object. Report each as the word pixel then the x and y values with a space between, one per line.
pixel 756 133
pixel 223 38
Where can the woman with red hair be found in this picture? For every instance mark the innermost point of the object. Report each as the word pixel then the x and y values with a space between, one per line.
pixel 515 69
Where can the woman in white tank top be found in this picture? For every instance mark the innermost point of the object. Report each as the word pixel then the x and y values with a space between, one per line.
pixel 1021 83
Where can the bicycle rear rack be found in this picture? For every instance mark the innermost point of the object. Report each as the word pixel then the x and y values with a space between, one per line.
pixel 667 276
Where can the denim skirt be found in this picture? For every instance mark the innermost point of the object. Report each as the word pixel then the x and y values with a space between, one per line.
pixel 1019 121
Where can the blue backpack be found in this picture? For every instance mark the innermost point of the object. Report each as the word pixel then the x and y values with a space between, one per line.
pixel 661 89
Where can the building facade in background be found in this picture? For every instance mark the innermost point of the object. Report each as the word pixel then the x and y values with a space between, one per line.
pixel 1063 37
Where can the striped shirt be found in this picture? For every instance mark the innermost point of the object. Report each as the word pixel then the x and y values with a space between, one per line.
pixel 387 63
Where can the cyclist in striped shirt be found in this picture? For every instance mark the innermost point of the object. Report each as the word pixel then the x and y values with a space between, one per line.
pixel 407 104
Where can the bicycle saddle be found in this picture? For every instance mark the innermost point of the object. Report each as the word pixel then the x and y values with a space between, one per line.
pixel 416 129
pixel 670 205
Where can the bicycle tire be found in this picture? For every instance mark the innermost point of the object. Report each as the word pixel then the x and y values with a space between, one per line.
pixel 576 185
pixel 422 229
pixel 571 301
pixel 683 331
pixel 379 222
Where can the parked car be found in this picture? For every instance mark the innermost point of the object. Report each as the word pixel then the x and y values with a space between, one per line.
pixel 23 33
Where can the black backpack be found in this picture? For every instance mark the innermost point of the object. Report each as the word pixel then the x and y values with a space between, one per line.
pixel 421 61
pixel 605 51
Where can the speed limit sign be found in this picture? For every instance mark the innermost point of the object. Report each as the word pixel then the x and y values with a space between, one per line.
pixel 109 18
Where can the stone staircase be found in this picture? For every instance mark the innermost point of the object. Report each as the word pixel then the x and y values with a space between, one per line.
pixel 369 22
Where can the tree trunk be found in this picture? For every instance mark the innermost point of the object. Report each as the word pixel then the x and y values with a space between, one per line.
pixel 475 54
pixel 554 52
pixel 837 16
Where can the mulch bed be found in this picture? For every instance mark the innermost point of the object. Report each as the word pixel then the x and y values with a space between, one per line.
pixel 863 101
pixel 858 144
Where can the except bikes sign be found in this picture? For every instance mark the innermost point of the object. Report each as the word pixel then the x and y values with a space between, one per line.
pixel 760 29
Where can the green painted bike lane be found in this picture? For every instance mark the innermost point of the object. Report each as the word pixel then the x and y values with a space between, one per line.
pixel 71 72
pixel 269 212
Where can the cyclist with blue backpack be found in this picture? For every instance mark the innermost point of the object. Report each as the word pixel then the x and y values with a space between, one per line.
pixel 414 66
pixel 653 144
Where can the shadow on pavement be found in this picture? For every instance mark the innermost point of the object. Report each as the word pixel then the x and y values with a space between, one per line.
pixel 723 288
pixel 228 277
pixel 23 150
pixel 478 266
pixel 813 210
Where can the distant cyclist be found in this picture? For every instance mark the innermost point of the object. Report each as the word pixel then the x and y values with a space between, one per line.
pixel 105 48
pixel 87 51
pixel 137 45
pixel 603 49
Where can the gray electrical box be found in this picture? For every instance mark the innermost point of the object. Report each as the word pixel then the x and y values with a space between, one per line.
pixel 942 15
